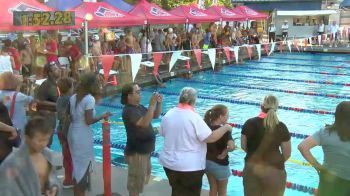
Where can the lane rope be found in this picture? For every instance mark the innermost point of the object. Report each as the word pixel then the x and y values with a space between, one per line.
pixel 312 60
pixel 335 96
pixel 289 70
pixel 289 185
pixel 303 65
pixel 236 125
pixel 283 79
pixel 234 101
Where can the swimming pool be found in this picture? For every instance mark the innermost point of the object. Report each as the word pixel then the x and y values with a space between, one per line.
pixel 309 86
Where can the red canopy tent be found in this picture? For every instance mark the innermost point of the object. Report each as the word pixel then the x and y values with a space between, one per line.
pixel 194 14
pixel 105 15
pixel 153 14
pixel 7 8
pixel 224 13
pixel 249 13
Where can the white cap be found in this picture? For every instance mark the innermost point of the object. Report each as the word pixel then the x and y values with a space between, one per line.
pixel 285 20
pixel 170 30
pixel 96 37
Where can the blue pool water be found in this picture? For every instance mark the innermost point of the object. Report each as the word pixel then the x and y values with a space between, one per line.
pixel 248 84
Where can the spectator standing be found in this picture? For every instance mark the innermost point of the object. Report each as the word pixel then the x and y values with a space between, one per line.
pixel 13 52
pixel 65 85
pixel 272 33
pixel 140 135
pixel 80 135
pixel 16 102
pixel 47 93
pixel 285 28
pixel 8 133
pixel 335 142
pixel 7 63
pixel 262 137
pixel 31 167
pixel 217 163
pixel 321 28
pixel 334 29
pixel 185 145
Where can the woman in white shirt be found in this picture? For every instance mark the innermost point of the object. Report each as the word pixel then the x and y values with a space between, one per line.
pixel 185 145
pixel 6 61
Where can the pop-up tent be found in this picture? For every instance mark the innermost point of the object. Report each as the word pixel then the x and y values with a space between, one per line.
pixel 120 4
pixel 105 15
pixel 250 14
pixel 8 7
pixel 345 4
pixel 153 14
pixel 194 14
pixel 63 5
pixel 225 14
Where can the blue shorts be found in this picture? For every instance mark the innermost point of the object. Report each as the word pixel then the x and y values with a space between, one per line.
pixel 220 172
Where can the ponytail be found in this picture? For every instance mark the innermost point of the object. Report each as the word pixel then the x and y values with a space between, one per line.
pixel 207 117
pixel 214 113
pixel 270 106
pixel 271 120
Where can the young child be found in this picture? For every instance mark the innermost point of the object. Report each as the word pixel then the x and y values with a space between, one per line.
pixel 29 170
pixel 65 86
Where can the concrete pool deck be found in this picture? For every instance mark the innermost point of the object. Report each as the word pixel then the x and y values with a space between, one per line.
pixel 156 187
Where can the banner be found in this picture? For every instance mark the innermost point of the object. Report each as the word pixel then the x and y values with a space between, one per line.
pixel 319 37
pixel 258 48
pixel 249 51
pixel 266 49
pixel 198 54
pixel 289 44
pixel 212 56
pixel 296 45
pixel 157 58
pixel 173 59
pixel 280 46
pixel 272 49
pixel 227 53
pixel 310 41
pixel 107 63
pixel 236 51
pixel 135 64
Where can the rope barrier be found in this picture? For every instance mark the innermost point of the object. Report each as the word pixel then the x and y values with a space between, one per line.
pixel 156 154
pixel 288 70
pixel 234 172
pixel 289 185
pixel 303 65
pixel 234 101
pixel 238 126
pixel 285 79
pixel 313 60
pixel 266 89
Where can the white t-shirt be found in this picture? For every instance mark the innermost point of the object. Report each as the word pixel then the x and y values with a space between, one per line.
pixel 334 29
pixel 272 29
pixel 5 64
pixel 321 28
pixel 285 28
pixel 184 132
pixel 19 118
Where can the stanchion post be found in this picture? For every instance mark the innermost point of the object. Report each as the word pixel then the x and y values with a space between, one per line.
pixel 106 158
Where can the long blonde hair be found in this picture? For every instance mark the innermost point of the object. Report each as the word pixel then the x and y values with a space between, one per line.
pixel 270 106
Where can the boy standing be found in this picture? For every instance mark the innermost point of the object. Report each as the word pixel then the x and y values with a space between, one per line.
pixel 29 170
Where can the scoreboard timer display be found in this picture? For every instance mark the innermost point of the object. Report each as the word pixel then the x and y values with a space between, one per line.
pixel 65 18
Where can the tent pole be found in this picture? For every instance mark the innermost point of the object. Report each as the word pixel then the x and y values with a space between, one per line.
pixel 86 37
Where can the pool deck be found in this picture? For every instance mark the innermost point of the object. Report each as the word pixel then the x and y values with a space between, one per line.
pixel 156 186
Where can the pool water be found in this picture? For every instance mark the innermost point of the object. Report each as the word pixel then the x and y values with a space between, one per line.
pixel 241 88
